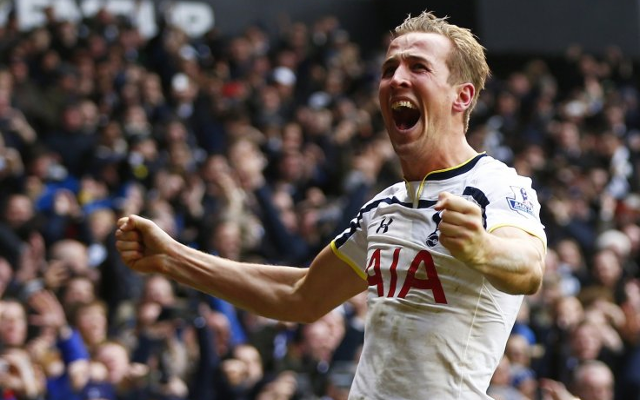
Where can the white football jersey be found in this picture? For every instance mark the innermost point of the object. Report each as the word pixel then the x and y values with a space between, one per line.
pixel 435 328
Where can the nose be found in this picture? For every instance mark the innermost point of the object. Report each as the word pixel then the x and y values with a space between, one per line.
pixel 400 77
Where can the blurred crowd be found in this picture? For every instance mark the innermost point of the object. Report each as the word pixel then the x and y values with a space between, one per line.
pixel 261 147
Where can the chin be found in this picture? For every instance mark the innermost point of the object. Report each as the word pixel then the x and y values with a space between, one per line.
pixel 405 151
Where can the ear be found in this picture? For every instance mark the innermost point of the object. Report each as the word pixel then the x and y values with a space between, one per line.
pixel 466 91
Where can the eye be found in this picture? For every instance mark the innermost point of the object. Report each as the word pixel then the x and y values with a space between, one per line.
pixel 419 67
pixel 387 71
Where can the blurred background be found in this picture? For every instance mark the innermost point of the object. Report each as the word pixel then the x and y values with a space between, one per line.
pixel 251 130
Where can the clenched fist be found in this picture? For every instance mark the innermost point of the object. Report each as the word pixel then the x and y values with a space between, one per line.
pixel 461 228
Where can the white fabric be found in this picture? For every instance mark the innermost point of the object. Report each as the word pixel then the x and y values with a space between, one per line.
pixel 444 340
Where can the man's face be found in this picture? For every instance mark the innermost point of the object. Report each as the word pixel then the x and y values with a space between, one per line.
pixel 596 385
pixel 92 324
pixel 13 325
pixel 415 95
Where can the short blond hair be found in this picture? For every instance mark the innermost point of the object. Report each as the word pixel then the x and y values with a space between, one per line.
pixel 467 61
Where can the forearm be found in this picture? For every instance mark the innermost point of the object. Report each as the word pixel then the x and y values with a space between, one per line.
pixel 513 263
pixel 208 361
pixel 263 289
pixel 286 242
pixel 27 385
pixel 71 346
pixel 283 293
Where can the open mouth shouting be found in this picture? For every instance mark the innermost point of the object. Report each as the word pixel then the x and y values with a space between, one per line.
pixel 405 114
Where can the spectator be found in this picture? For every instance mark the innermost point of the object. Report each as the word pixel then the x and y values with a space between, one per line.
pixel 520 352
pixel 70 141
pixel 90 319
pixel 256 146
pixel 74 256
pixel 592 381
pixel 500 386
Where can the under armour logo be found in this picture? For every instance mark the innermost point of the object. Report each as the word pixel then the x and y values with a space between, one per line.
pixel 384 225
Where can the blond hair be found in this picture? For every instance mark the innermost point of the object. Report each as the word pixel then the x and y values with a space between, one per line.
pixel 467 61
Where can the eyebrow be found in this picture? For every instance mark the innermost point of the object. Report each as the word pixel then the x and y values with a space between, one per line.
pixel 411 57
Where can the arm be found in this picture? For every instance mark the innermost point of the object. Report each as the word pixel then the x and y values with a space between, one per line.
pixel 23 377
pixel 203 387
pixel 69 342
pixel 284 293
pixel 291 246
pixel 510 258
pixel 554 390
pixel 238 334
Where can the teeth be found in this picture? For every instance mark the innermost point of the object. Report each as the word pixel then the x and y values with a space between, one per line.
pixel 403 103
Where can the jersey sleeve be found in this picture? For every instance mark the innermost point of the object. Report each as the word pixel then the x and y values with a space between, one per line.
pixel 351 245
pixel 513 202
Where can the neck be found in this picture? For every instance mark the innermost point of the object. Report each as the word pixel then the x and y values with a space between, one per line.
pixel 439 158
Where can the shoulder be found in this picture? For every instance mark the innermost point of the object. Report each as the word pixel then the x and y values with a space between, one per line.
pixel 391 195
pixel 493 172
pixel 396 190
pixel 504 187
pixel 490 164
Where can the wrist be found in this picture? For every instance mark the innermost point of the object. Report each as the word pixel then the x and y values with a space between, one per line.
pixel 65 332
pixel 175 252
pixel 481 256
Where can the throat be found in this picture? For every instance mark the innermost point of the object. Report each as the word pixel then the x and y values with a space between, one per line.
pixel 405 118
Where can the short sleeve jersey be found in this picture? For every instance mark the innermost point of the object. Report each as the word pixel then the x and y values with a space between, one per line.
pixel 435 329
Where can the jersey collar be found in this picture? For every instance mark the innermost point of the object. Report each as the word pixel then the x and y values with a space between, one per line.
pixel 442 174
pixel 447 173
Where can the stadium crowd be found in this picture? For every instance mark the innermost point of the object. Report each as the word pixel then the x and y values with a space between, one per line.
pixel 262 146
